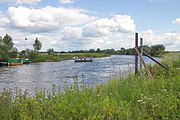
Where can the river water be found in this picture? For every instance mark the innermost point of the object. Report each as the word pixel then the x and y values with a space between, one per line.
pixel 47 74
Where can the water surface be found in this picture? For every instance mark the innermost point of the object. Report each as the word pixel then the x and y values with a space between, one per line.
pixel 47 74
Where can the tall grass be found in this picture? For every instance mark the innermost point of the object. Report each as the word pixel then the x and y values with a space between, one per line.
pixel 131 98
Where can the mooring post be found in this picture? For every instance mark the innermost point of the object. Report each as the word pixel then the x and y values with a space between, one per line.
pixel 141 48
pixel 145 66
pixel 136 55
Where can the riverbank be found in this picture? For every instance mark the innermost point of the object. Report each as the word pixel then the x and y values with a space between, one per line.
pixel 65 56
pixel 134 97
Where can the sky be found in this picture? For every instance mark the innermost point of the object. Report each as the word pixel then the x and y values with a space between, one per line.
pixel 90 24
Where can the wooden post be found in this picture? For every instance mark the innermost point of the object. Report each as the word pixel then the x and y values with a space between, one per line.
pixel 155 61
pixel 144 64
pixel 141 48
pixel 136 55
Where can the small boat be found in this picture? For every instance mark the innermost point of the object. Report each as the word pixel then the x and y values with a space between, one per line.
pixel 3 62
pixel 14 64
pixel 83 60
pixel 17 61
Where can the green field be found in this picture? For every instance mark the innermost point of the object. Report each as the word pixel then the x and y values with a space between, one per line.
pixel 131 98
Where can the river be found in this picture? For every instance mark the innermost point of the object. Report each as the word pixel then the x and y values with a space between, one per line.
pixel 47 74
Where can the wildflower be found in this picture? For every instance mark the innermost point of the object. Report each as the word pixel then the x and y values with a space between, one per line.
pixel 140 101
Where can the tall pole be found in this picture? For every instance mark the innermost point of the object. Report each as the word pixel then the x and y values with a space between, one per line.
pixel 136 54
pixel 25 43
pixel 141 48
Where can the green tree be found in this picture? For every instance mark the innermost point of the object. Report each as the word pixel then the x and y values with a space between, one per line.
pixel 50 51
pixel 31 54
pixel 6 47
pixel 146 49
pixel 13 53
pixel 3 52
pixel 122 51
pixel 92 51
pixel 37 45
pixel 98 50
pixel 7 40
pixel 157 50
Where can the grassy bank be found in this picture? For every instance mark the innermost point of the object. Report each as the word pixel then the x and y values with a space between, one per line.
pixel 131 98
pixel 71 55
pixel 46 58
pixel 64 56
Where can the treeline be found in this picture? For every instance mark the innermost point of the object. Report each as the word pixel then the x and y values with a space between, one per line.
pixel 154 50
pixel 7 50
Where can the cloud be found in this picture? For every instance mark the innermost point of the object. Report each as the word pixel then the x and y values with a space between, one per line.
pixel 46 19
pixel 177 21
pixel 3 20
pixel 148 32
pixel 7 1
pixel 28 1
pixel 67 1
pixel 105 26
pixel 21 1
pixel 170 40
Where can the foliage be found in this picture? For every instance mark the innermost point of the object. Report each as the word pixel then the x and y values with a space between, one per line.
pixel 131 98
pixel 7 40
pixel 7 49
pixel 157 50
pixel 50 51
pixel 13 53
pixel 46 58
pixel 32 54
pixel 37 45
pixel 3 52
pixel 35 56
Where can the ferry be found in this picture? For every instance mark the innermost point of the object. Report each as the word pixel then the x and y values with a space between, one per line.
pixel 83 60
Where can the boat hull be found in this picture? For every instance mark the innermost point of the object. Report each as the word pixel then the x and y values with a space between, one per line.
pixel 14 64
pixel 83 60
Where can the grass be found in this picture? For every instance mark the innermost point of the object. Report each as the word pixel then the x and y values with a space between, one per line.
pixel 63 56
pixel 131 98
pixel 44 58
pixel 71 55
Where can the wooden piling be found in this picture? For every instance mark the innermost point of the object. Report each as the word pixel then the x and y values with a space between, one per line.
pixel 144 64
pixel 155 61
pixel 141 50
pixel 136 55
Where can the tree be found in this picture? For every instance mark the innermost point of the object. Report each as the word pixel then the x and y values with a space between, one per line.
pixel 98 50
pixel 7 40
pixel 156 50
pixel 146 49
pixel 3 52
pixel 37 45
pixel 13 53
pixel 92 51
pixel 122 51
pixel 31 54
pixel 6 47
pixel 50 51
